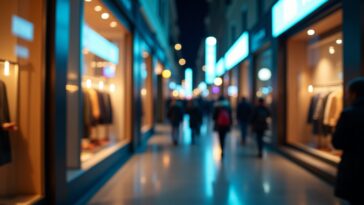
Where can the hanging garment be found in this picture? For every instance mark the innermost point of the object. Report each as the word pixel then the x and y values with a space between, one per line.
pixel 108 106
pixel 102 107
pixel 318 117
pixel 94 104
pixel 5 146
pixel 311 109
pixel 333 108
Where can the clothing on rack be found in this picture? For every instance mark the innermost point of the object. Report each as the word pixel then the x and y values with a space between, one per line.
pixel 5 145
pixel 324 111
pixel 97 108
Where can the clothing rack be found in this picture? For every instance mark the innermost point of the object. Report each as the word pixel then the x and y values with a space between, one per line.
pixel 10 62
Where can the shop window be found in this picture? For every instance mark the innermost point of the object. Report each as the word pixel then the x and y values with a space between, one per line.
pixel 97 113
pixel 315 85
pixel 22 71
pixel 147 92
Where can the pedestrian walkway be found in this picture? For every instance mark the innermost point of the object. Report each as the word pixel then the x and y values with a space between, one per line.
pixel 194 174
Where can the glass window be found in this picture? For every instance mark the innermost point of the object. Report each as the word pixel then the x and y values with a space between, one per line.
pixel 22 70
pixel 315 91
pixel 104 75
pixel 147 92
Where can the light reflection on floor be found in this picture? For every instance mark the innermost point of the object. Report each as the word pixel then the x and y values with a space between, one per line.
pixel 195 174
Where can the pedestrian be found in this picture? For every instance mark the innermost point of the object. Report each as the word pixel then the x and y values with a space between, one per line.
pixel 259 122
pixel 349 137
pixel 223 120
pixel 243 114
pixel 175 116
pixel 195 113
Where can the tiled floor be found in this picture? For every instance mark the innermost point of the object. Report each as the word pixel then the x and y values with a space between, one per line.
pixel 194 174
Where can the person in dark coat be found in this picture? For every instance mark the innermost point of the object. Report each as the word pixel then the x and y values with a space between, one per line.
pixel 175 116
pixel 259 122
pixel 349 137
pixel 195 113
pixel 243 114
pixel 222 117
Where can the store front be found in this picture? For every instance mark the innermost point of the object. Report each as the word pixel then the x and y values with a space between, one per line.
pixel 315 91
pixel 99 94
pixel 22 98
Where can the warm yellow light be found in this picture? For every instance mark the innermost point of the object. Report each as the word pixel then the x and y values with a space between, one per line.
pixel 88 0
pixel 218 81
pixel 101 85
pixel 310 88
pixel 182 61
pixel 311 32
pixel 158 70
pixel 6 68
pixel 339 41
pixel 175 93
pixel 331 50
pixel 72 88
pixel 143 92
pixel 166 74
pixel 178 47
pixel 89 83
pixel 112 88
pixel 105 16
pixel 98 8
pixel 113 24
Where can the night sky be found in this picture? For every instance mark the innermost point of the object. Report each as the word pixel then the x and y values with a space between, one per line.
pixel 191 15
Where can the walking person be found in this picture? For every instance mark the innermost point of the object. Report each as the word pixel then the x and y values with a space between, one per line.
pixel 259 122
pixel 349 137
pixel 195 113
pixel 223 120
pixel 243 114
pixel 175 116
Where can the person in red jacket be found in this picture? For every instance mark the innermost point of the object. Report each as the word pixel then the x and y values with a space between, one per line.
pixel 222 117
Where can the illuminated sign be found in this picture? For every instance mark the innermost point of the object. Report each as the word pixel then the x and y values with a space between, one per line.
pixel 286 13
pixel 99 46
pixel 22 28
pixel 237 52
pixel 188 82
pixel 220 67
pixel 210 59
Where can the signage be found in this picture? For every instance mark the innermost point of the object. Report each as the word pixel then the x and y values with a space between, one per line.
pixel 237 52
pixel 188 82
pixel 286 13
pixel 99 46
pixel 210 59
pixel 220 67
pixel 22 28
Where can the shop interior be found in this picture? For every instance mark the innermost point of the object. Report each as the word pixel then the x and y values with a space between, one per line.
pixel 315 94
pixel 105 80
pixel 147 92
pixel 21 101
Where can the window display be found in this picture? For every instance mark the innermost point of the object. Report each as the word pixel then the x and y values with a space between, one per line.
pixel 22 71
pixel 147 92
pixel 104 69
pixel 315 79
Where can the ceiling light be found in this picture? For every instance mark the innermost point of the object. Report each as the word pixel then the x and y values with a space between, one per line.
pixel 264 74
pixel 88 0
pixel 178 47
pixel 182 62
pixel 98 8
pixel 311 32
pixel 113 24
pixel 218 81
pixel 331 50
pixel 339 41
pixel 105 16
